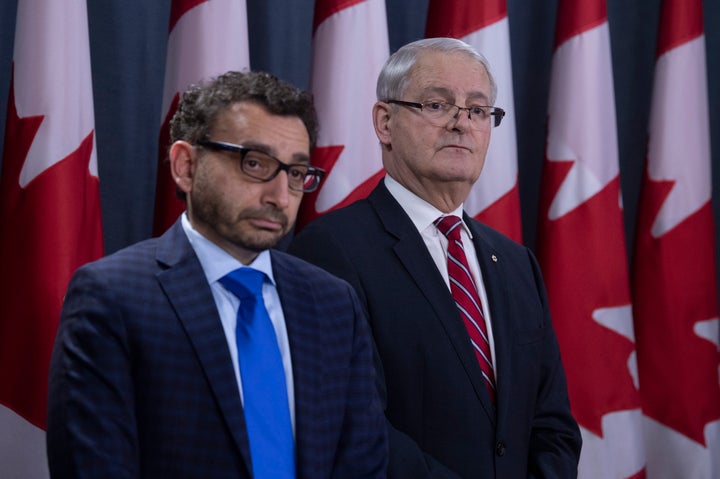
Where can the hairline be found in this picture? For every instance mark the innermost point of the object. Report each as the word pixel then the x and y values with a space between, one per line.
pixel 397 71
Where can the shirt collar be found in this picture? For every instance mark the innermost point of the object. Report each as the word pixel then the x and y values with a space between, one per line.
pixel 421 213
pixel 215 261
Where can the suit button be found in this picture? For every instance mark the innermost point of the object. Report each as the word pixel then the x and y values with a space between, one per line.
pixel 500 448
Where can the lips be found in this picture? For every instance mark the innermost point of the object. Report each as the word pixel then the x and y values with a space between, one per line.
pixel 456 147
pixel 267 223
pixel 266 220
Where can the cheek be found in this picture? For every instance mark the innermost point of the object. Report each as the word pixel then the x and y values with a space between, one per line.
pixel 294 202
pixel 420 144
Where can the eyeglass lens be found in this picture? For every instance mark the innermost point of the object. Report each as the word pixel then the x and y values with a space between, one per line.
pixel 264 167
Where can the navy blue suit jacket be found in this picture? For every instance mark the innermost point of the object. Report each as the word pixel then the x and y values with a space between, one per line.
pixel 442 422
pixel 142 384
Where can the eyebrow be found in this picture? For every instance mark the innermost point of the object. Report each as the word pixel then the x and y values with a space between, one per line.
pixel 447 93
pixel 297 158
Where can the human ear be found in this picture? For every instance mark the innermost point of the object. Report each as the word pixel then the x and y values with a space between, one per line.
pixel 182 158
pixel 382 122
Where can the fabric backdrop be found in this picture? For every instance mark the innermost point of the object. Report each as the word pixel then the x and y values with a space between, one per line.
pixel 598 89
pixel 128 40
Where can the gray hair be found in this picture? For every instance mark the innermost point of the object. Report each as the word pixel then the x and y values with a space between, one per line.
pixel 394 76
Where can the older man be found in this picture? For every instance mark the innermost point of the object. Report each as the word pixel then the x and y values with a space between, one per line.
pixel 470 366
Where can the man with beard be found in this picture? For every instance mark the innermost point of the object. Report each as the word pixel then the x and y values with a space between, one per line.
pixel 162 365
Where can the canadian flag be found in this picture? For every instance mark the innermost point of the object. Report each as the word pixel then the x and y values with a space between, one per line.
pixel 350 46
pixel 495 198
pixel 581 245
pixel 207 38
pixel 674 285
pixel 49 211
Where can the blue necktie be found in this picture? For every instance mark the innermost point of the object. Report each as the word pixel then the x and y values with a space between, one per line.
pixel 265 399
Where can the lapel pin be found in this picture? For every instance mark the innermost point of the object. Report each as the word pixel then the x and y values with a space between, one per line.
pixel 494 258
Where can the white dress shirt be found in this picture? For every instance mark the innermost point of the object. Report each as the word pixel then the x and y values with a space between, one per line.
pixel 216 263
pixel 423 216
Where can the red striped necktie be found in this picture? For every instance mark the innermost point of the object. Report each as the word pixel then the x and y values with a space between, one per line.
pixel 464 292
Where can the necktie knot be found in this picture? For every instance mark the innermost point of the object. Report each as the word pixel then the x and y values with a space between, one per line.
pixel 245 283
pixel 449 226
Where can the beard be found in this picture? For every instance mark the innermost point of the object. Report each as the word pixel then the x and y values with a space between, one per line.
pixel 220 218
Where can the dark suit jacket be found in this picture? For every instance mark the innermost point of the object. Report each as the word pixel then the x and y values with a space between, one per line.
pixel 442 421
pixel 142 384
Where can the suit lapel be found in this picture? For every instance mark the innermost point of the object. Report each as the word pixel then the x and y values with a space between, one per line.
pixel 413 254
pixel 187 289
pixel 307 361
pixel 498 293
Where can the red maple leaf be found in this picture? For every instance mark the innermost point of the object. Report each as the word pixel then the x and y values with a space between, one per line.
pixel 583 260
pixel 502 214
pixel 674 289
pixel 326 157
pixel 50 228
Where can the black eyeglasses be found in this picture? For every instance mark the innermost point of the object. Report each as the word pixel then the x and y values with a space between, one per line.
pixel 261 166
pixel 440 112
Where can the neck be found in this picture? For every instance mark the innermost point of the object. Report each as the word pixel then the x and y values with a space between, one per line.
pixel 445 196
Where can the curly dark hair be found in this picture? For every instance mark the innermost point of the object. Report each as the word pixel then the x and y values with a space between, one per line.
pixel 201 104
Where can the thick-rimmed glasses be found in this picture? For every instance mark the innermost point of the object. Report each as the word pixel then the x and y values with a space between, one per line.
pixel 261 166
pixel 440 112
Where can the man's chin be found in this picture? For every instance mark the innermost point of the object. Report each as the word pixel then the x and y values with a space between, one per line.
pixel 261 242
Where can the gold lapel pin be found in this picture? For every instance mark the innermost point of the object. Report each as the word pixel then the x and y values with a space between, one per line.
pixel 494 258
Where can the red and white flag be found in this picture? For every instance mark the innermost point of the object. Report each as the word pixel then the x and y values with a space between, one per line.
pixel 206 38
pixel 674 285
pixel 495 198
pixel 350 46
pixel 49 211
pixel 581 245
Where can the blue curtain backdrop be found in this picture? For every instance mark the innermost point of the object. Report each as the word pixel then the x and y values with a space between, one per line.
pixel 128 42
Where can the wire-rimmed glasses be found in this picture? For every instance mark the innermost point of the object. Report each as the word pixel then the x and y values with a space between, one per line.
pixel 440 112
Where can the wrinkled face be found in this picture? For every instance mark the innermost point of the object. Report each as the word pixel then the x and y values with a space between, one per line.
pixel 423 153
pixel 243 215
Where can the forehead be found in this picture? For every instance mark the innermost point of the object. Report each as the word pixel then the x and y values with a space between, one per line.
pixel 249 121
pixel 457 73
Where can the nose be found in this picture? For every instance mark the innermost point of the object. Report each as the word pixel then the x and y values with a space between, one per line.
pixel 277 191
pixel 456 119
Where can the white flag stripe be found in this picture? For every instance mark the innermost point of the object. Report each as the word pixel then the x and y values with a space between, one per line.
pixel 674 455
pixel 710 331
pixel 501 170
pixel 349 50
pixel 680 116
pixel 62 91
pixel 22 448
pixel 623 430
pixel 581 90
pixel 208 40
